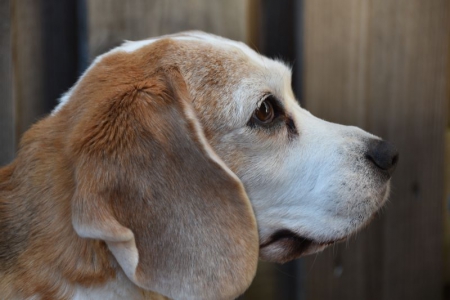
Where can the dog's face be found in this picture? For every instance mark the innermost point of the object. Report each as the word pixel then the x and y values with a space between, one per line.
pixel 310 182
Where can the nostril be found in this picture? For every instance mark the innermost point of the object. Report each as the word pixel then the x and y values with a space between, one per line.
pixel 383 154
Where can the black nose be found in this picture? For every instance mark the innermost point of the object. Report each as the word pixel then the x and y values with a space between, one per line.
pixel 382 154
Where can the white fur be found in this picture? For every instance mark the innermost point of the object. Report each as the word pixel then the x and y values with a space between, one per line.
pixel 120 240
pixel 323 189
pixel 319 185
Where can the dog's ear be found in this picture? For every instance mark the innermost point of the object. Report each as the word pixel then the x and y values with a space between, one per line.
pixel 177 220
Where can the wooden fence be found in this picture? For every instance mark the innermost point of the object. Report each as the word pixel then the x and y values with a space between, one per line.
pixel 378 64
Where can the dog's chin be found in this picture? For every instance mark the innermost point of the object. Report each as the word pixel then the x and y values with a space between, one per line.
pixel 284 246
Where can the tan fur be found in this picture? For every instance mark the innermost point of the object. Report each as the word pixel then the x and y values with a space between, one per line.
pixel 35 199
pixel 107 157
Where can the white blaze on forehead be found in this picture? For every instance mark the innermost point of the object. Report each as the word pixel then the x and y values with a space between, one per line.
pixel 130 46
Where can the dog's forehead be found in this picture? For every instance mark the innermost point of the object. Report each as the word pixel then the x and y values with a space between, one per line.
pixel 225 77
pixel 201 38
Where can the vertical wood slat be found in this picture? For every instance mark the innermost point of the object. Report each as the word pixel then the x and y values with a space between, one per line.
pixel 110 22
pixel 447 194
pixel 447 216
pixel 28 63
pixel 45 56
pixel 7 111
pixel 381 65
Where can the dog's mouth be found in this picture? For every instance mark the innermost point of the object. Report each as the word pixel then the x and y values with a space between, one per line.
pixel 285 245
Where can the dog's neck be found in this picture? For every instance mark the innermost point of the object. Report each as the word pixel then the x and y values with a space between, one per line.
pixel 40 253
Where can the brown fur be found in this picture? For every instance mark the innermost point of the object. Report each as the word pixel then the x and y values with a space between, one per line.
pixel 109 155
pixel 35 218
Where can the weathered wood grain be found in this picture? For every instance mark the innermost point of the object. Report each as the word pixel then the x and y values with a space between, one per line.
pixel 7 111
pixel 45 56
pixel 28 63
pixel 110 22
pixel 447 215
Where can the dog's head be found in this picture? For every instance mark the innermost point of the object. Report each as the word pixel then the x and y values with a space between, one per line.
pixel 192 158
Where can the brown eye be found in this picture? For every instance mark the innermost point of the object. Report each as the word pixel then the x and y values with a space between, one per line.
pixel 265 112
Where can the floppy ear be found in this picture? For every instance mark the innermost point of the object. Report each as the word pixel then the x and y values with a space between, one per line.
pixel 177 220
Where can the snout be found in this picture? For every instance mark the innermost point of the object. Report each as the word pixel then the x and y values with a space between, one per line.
pixel 383 155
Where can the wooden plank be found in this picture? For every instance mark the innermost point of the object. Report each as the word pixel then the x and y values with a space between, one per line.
pixel 60 48
pixel 276 19
pixel 110 22
pixel 447 195
pixel 28 63
pixel 7 117
pixel 381 65
pixel 447 216
pixel 254 24
pixel 45 56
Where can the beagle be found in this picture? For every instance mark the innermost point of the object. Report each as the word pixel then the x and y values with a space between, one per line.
pixel 170 167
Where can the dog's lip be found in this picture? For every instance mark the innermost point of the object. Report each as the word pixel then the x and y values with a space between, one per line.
pixel 306 242
pixel 285 245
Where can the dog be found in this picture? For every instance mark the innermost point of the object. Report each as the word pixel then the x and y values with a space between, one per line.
pixel 170 168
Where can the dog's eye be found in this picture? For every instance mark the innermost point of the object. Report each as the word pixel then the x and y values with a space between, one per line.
pixel 265 112
pixel 270 116
pixel 269 113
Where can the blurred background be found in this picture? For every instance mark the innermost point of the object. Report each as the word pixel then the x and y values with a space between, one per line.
pixel 381 65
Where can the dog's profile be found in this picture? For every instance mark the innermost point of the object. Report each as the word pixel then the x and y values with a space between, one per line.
pixel 170 167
